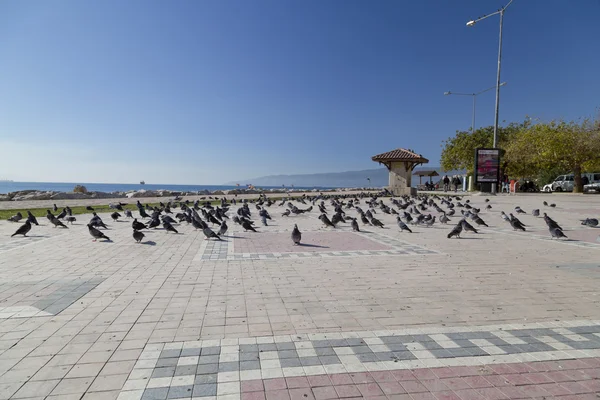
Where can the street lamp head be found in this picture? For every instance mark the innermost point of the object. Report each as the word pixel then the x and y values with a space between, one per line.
pixel 503 83
pixel 471 23
pixel 447 93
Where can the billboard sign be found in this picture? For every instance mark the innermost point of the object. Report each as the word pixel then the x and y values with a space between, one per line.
pixel 487 165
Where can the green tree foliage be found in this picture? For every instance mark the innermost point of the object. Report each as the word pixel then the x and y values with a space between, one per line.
pixel 459 151
pixel 557 145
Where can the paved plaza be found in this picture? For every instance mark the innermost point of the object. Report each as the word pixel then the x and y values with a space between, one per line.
pixel 373 314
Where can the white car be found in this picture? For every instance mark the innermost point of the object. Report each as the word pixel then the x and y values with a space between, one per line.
pixel 547 188
pixel 592 187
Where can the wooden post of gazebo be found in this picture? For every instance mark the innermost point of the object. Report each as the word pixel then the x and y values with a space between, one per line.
pixel 400 163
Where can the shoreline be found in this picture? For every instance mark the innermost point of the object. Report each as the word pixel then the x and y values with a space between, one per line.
pixel 97 201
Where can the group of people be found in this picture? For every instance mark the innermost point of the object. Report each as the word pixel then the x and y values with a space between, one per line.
pixel 454 181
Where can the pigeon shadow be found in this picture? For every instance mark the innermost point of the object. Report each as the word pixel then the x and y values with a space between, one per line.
pixel 470 238
pixel 234 237
pixel 312 245
pixel 149 243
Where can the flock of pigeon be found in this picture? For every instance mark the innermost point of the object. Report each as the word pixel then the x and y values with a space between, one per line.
pixel 413 211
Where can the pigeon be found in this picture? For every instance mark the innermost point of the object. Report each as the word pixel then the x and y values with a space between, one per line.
pixel 31 218
pixel 54 207
pixel 263 219
pixel 143 213
pixel 591 222
pixel 115 216
pixel 128 214
pixel 557 233
pixel 545 203
pixel 402 225
pixel 89 208
pixel 247 226
pixel 56 222
pixel 551 223
pixel 209 233
pixel 456 231
pixel 16 218
pixel 354 226
pixel 62 214
pixel 223 229
pixel 477 219
pixel 96 234
pixel 553 205
pixel 519 211
pixel 513 218
pixel 376 222
pixel 296 235
pixel 517 225
pixel 467 226
pixel 430 222
pixel 536 212
pixel 326 220
pixel 23 229
pixel 444 219
pixel 286 213
pixel 70 219
pixel 138 226
pixel 138 236
pixel 169 228
pixel 153 223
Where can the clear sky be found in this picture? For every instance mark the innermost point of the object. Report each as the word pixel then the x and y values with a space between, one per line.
pixel 206 92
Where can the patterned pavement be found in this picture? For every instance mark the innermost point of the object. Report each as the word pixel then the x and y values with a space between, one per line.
pixel 378 314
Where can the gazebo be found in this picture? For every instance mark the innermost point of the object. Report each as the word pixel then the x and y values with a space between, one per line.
pixel 400 163
pixel 426 172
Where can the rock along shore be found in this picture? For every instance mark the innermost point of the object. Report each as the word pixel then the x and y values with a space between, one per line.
pixel 39 198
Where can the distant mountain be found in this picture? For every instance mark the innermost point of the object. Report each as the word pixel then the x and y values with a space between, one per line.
pixel 379 178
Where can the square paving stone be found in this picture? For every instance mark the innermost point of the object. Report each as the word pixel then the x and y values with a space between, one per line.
pixel 207 369
pixel 170 353
pixel 288 354
pixel 208 359
pixel 310 361
pixel 204 379
pixel 180 392
pixel 167 362
pixel 184 370
pixel 249 356
pixel 209 389
pixel 328 360
pixel 325 351
pixel 249 365
pixel 267 347
pixel 155 394
pixel 229 366
pixel 163 372
pixel 190 352
pixel 248 348
pixel 286 346
pixel 210 351
pixel 290 362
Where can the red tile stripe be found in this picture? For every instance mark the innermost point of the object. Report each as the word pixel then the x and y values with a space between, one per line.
pixel 568 379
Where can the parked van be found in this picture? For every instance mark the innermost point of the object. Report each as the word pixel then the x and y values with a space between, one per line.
pixel 565 183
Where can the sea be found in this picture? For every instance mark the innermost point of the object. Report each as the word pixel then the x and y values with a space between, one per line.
pixel 9 186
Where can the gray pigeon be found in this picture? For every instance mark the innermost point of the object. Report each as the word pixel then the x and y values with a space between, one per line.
pixel 354 225
pixel 70 219
pixel 23 229
pixel 128 214
pixel 168 227
pixel 223 228
pixel 456 231
pixel 138 236
pixel 536 212
pixel 16 218
pixel 591 222
pixel 325 220
pixel 31 218
pixel 296 235
pixel 96 234
pixel 557 233
pixel 209 233
pixel 402 225
pixel 56 222
pixel 467 226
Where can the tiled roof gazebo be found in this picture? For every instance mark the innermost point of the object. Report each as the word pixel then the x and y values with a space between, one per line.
pixel 400 163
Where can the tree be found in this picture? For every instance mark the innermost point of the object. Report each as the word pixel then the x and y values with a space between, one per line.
pixel 459 151
pixel 570 146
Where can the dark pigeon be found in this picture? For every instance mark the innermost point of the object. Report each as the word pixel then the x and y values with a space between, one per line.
pixel 138 236
pixel 456 231
pixel 96 234
pixel 23 229
pixel 209 233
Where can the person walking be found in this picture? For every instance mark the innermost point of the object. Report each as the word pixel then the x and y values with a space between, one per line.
pixel 456 182
pixel 446 181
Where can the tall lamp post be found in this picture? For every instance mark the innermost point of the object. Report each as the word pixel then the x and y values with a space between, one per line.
pixel 472 23
pixel 474 95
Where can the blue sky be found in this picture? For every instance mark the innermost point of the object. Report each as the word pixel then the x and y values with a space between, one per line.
pixel 206 92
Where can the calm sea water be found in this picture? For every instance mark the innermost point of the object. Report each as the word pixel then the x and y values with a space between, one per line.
pixel 7 187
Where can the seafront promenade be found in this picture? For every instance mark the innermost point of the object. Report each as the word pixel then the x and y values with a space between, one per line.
pixel 373 314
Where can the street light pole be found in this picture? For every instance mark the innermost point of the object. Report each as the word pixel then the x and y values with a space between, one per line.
pixel 496 114
pixel 474 95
